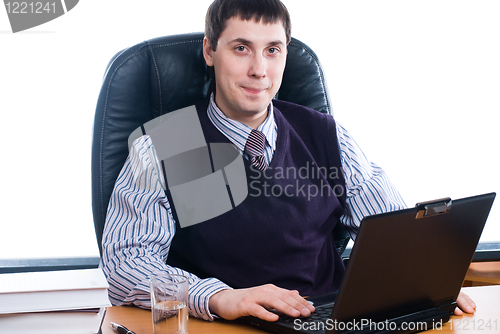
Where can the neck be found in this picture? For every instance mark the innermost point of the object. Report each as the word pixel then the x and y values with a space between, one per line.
pixel 254 121
pixel 251 120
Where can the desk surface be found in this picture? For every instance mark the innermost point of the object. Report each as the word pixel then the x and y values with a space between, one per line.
pixel 484 273
pixel 487 299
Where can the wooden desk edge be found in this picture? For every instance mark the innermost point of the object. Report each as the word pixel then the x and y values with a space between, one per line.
pixel 487 299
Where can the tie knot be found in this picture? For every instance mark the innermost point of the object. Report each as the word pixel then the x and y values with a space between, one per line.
pixel 254 147
pixel 255 143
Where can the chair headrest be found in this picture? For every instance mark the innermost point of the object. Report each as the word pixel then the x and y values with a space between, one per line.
pixel 165 74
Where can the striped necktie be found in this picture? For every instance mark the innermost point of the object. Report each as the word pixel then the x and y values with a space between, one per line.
pixel 254 147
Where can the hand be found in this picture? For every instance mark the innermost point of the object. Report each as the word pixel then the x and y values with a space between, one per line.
pixel 232 304
pixel 465 304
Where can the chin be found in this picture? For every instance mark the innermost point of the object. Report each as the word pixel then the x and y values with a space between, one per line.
pixel 255 109
pixel 257 106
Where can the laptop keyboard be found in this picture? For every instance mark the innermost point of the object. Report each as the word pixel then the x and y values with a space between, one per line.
pixel 321 314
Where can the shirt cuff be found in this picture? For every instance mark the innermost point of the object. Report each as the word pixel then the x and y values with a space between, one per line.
pixel 199 295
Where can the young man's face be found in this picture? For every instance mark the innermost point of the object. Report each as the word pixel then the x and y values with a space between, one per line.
pixel 248 62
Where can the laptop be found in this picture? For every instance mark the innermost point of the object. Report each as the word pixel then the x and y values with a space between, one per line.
pixel 404 274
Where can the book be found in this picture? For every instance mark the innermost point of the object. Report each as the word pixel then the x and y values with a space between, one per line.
pixel 87 321
pixel 53 291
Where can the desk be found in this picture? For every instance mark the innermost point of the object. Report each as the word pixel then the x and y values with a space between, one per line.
pixel 487 299
pixel 483 273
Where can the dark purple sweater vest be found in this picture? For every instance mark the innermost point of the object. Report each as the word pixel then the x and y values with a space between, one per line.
pixel 280 233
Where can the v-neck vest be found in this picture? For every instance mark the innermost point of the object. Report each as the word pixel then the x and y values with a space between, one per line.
pixel 282 232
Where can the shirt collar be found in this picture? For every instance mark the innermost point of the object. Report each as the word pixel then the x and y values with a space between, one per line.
pixel 238 132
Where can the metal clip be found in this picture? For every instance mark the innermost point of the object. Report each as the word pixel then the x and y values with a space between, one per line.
pixel 433 208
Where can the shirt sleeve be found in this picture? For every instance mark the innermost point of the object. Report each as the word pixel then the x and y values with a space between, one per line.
pixel 368 188
pixel 138 233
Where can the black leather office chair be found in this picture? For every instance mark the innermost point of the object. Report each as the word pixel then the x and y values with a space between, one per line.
pixel 165 74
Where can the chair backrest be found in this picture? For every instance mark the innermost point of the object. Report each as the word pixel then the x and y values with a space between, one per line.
pixel 164 74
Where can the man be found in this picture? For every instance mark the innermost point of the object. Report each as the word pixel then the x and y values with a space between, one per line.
pixel 269 250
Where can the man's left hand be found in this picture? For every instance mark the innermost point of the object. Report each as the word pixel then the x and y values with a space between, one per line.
pixel 465 304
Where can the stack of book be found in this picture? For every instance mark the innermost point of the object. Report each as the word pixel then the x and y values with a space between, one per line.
pixel 52 302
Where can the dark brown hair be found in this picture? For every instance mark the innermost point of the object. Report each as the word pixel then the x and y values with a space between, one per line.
pixel 269 11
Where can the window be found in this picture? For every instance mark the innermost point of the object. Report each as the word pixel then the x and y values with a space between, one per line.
pixel 415 82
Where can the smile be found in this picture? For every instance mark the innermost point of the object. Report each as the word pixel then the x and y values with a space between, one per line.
pixel 253 90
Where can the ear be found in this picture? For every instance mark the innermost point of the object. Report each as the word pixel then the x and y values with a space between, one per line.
pixel 208 52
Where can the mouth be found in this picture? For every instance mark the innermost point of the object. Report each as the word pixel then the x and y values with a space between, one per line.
pixel 253 90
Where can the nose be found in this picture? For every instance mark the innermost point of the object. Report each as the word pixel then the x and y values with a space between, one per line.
pixel 257 67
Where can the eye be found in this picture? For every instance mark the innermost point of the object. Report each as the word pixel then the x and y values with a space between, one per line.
pixel 240 48
pixel 273 50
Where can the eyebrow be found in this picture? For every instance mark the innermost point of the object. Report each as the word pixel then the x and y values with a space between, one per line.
pixel 247 42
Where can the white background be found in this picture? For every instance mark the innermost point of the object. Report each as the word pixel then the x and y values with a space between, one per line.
pixel 416 82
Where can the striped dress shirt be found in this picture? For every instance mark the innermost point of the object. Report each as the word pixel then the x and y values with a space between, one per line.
pixel 140 227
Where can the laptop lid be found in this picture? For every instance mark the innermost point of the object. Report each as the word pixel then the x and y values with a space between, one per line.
pixel 406 265
pixel 412 260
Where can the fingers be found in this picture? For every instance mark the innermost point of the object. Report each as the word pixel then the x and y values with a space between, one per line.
pixel 286 301
pixel 298 305
pixel 257 301
pixel 260 312
pixel 465 304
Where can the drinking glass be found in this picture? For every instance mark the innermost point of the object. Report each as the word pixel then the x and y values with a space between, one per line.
pixel 169 304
